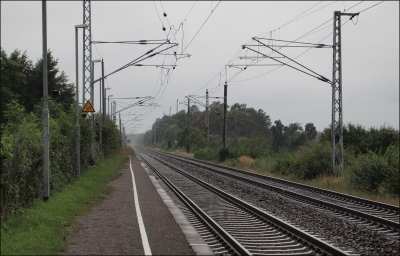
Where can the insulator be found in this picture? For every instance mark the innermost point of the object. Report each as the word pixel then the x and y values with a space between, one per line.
pixel 163 28
pixel 165 15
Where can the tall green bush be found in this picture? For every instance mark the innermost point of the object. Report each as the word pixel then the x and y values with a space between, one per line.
pixel 367 172
pixel 255 146
pixel 308 162
pixel 391 182
pixel 207 154
pixel 223 154
pixel 21 174
pixel 377 173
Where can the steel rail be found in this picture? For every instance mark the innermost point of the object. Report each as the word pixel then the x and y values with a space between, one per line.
pixel 306 238
pixel 343 209
pixel 229 240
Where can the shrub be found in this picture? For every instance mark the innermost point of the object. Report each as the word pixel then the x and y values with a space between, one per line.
pixel 21 175
pixel 368 172
pixel 308 162
pixel 312 160
pixel 246 161
pixel 391 182
pixel 283 164
pixel 223 154
pixel 253 147
pixel 207 154
pixel 22 152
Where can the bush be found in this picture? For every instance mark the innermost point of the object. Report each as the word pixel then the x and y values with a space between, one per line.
pixel 207 154
pixel 246 161
pixel 253 147
pixel 391 182
pixel 21 175
pixel 368 172
pixel 283 164
pixel 312 160
pixel 22 154
pixel 223 154
pixel 308 162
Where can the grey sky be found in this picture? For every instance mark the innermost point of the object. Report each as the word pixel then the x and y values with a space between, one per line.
pixel 370 54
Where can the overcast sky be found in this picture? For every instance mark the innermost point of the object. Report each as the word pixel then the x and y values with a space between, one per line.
pixel 370 54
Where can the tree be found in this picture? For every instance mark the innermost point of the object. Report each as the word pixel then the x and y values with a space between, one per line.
pixel 238 106
pixel 277 135
pixel 14 72
pixel 56 81
pixel 264 121
pixel 294 137
pixel 311 131
pixel 22 81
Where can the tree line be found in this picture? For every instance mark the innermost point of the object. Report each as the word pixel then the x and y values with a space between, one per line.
pixel 371 155
pixel 243 122
pixel 21 131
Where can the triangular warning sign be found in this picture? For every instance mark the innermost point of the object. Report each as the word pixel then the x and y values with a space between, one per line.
pixel 88 107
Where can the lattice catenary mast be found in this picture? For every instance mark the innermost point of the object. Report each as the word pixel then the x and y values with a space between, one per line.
pixel 337 107
pixel 87 51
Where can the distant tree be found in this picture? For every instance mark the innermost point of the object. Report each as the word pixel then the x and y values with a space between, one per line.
pixel 311 131
pixel 216 121
pixel 359 140
pixel 264 121
pixel 277 135
pixel 293 136
pixel 238 106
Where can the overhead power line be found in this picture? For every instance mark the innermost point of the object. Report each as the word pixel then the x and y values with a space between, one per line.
pixel 202 26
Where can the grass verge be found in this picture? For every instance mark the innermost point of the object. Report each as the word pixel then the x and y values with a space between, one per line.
pixel 43 229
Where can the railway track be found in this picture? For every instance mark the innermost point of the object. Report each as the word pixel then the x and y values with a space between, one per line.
pixel 379 216
pixel 231 225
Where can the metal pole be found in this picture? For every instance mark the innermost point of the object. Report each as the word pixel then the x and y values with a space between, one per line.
pixel 114 112
pixel 103 91
pixel 105 105
pixel 78 132
pixel 188 124
pixel 155 132
pixel 337 153
pixel 87 51
pixel 101 104
pixel 124 136
pixel 207 120
pixel 225 106
pixel 92 115
pixel 45 115
pixel 120 132
pixel 109 113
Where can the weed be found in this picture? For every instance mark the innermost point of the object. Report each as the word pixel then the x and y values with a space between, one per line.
pixel 246 161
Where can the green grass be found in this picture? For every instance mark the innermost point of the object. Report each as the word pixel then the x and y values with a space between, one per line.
pixel 44 228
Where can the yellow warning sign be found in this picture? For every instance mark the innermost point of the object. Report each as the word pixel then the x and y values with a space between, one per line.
pixel 129 141
pixel 88 107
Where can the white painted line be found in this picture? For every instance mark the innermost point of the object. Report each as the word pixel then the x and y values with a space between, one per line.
pixel 143 234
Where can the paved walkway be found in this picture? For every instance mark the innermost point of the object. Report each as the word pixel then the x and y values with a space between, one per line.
pixel 112 228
